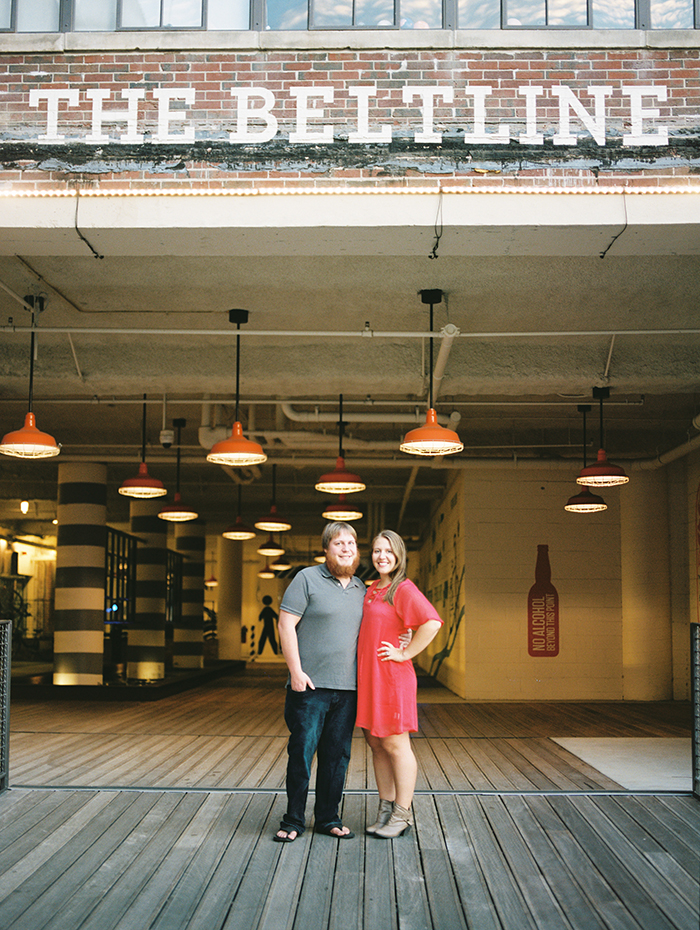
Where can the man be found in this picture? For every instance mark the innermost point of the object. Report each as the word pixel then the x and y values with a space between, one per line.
pixel 318 625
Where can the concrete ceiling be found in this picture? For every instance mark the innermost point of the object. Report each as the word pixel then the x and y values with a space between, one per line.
pixel 551 295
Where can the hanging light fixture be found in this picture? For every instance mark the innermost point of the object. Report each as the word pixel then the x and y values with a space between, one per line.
pixel 281 564
pixel 177 512
pixel 143 486
pixel 239 530
pixel 29 442
pixel 585 501
pixel 341 511
pixel 340 480
pixel 237 450
pixel 271 548
pixel 211 582
pixel 266 572
pixel 431 439
pixel 273 523
pixel 602 474
pixel 320 557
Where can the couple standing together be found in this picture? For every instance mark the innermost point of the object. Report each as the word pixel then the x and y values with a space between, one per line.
pixel 337 681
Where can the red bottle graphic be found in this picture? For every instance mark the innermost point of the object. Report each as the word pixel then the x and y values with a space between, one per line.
pixel 543 610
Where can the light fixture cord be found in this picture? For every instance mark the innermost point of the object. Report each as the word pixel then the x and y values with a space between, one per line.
pixel 340 425
pixel 430 359
pixel 143 431
pixel 177 460
pixel 238 366
pixel 274 482
pixel 602 444
pixel 584 438
pixel 31 366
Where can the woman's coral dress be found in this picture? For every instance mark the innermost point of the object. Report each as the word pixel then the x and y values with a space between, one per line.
pixel 386 691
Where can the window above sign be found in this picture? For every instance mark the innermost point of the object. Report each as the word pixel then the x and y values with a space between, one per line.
pixel 41 16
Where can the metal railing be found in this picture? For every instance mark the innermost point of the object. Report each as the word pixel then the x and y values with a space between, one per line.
pixel 5 660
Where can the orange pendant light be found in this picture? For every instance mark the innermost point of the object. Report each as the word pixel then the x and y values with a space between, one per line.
pixel 239 530
pixel 237 450
pixel 602 474
pixel 585 501
pixel 341 511
pixel 431 438
pixel 273 522
pixel 29 442
pixel 177 512
pixel 143 486
pixel 271 548
pixel 340 480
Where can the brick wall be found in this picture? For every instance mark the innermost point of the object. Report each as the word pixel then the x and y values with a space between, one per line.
pixel 200 140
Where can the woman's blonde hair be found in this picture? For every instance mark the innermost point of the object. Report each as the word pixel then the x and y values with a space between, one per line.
pixel 398 547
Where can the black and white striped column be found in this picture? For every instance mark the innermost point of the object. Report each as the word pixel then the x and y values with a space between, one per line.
pixel 145 654
pixel 79 605
pixel 188 639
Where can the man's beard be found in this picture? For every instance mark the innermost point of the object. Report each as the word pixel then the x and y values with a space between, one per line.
pixel 342 571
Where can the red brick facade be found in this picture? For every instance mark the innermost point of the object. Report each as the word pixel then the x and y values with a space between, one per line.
pixel 190 141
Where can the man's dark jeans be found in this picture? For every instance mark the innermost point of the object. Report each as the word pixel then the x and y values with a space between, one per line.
pixel 319 722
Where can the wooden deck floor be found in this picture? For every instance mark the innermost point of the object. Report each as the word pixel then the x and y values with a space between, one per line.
pixel 160 815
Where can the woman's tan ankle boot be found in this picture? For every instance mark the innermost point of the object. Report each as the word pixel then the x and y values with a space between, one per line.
pixel 383 815
pixel 399 822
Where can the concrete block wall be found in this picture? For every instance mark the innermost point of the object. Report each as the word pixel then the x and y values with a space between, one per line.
pixel 506 515
pixel 627 580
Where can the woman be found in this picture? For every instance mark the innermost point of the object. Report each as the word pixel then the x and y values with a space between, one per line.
pixel 386 680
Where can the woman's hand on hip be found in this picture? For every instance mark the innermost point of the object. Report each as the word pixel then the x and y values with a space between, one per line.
pixel 389 653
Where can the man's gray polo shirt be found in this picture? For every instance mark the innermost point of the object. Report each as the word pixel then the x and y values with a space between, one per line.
pixel 329 626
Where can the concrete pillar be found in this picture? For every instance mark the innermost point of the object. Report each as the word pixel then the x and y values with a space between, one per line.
pixel 188 639
pixel 146 638
pixel 646 596
pixel 230 573
pixel 79 605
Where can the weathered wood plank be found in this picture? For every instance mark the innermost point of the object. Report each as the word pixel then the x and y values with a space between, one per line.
pixel 508 901
pixel 616 862
pixel 471 884
pixel 348 885
pixel 169 869
pixel 554 871
pixel 79 889
pixel 217 899
pixel 176 912
pixel 683 881
pixel 32 878
pixel 440 887
pixel 544 907
pixel 584 873
pixel 378 907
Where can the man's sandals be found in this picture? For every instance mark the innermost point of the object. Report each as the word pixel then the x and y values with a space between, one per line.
pixel 290 835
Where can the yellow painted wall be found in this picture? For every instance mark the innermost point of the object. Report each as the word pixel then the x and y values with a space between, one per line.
pixel 495 524
pixel 627 580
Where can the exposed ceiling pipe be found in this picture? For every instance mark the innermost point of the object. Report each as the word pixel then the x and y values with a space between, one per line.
pixel 449 332
pixel 208 435
pixel 96 400
pixel 246 475
pixel 406 495
pixel 466 463
pixel 315 416
pixel 15 296
pixel 667 457
pixel 345 334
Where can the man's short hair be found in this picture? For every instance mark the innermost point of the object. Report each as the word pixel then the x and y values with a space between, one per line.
pixel 331 530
